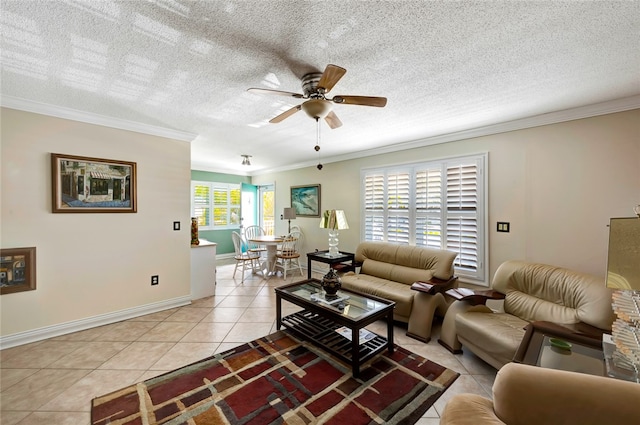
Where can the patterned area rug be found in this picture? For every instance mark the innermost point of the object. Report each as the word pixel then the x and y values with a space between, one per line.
pixel 279 380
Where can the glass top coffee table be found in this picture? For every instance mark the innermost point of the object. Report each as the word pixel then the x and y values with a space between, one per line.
pixel 337 324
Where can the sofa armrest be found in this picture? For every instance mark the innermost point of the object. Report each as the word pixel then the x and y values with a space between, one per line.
pixel 525 395
pixel 434 285
pixel 346 267
pixel 474 297
pixel 469 409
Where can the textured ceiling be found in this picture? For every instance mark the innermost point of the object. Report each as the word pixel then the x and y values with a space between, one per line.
pixel 444 66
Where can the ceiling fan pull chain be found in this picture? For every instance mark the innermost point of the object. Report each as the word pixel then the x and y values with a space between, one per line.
pixel 317 148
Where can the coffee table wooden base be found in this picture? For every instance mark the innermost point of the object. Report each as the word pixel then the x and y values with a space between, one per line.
pixel 318 321
pixel 322 332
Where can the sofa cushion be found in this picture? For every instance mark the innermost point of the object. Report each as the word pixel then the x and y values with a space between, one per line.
pixel 399 292
pixel 403 274
pixel 497 334
pixel 437 262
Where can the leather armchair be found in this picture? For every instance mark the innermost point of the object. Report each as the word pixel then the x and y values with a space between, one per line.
pixel 531 292
pixel 529 395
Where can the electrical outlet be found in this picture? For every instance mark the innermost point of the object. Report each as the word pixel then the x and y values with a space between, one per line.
pixel 154 279
pixel 176 225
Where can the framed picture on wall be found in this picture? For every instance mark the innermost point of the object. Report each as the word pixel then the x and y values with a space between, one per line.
pixel 306 200
pixel 92 185
pixel 17 270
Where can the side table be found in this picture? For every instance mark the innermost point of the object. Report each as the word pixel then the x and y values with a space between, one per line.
pixel 564 347
pixel 324 257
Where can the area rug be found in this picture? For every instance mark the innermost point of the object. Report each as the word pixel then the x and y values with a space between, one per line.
pixel 278 379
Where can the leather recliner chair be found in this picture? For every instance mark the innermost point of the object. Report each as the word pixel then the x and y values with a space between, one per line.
pixel 531 292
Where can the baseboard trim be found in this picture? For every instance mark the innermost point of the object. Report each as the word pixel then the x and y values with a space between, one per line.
pixel 46 332
pixel 228 256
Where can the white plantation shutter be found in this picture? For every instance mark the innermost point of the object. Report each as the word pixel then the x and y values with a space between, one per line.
pixel 428 229
pixel 374 190
pixel 201 200
pixel 462 206
pixel 398 205
pixel 374 228
pixel 216 205
pixel 398 228
pixel 438 204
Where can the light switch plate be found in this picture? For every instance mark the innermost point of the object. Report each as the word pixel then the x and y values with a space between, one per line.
pixel 176 225
pixel 503 226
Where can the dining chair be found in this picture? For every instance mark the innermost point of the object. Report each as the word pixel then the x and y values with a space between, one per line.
pixel 295 228
pixel 288 258
pixel 252 232
pixel 247 259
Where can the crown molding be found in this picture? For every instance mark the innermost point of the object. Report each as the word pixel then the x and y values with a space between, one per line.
pixel 588 111
pixel 12 102
pixel 604 108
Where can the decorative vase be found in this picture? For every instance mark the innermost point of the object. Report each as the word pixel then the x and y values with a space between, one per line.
pixel 331 282
pixel 195 240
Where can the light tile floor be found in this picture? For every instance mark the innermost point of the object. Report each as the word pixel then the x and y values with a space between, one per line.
pixel 53 381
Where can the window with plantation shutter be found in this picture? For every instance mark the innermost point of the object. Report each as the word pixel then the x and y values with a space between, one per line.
pixel 216 205
pixel 201 203
pixel 438 204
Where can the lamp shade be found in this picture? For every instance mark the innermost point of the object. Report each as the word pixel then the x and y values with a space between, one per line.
pixel 289 213
pixel 623 262
pixel 334 219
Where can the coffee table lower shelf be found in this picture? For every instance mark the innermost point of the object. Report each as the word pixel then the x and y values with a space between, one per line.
pixel 322 332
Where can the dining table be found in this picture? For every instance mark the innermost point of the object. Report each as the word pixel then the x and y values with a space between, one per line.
pixel 271 243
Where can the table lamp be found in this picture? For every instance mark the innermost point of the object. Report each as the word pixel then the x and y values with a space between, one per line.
pixel 334 220
pixel 289 214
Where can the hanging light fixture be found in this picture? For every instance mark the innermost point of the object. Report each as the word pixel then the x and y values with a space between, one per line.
pixel 245 159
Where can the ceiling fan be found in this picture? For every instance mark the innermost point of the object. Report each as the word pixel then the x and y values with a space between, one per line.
pixel 315 86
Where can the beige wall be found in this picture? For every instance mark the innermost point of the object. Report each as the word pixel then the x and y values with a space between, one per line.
pixel 91 264
pixel 557 185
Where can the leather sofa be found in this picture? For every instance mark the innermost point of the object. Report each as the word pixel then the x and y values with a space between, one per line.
pixel 531 292
pixel 529 395
pixel 388 270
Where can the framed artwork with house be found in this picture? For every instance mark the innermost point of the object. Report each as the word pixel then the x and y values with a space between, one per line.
pixel 17 270
pixel 92 185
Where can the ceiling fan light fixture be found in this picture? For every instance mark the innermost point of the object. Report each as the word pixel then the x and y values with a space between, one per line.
pixel 317 108
pixel 245 159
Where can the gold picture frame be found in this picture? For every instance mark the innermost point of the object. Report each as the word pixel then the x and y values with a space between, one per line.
pixel 92 185
pixel 17 270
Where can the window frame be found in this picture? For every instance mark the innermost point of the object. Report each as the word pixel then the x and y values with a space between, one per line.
pixel 409 216
pixel 229 205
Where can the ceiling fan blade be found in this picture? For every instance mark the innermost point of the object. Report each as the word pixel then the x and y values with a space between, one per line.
pixel 333 120
pixel 285 114
pixel 330 76
pixel 278 92
pixel 361 100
